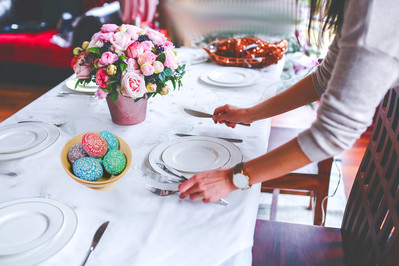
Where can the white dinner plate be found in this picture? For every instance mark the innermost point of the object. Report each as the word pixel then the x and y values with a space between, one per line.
pixel 53 134
pixel 188 55
pixel 156 153
pixel 196 155
pixel 88 88
pixel 27 225
pixel 55 244
pixel 19 137
pixel 232 77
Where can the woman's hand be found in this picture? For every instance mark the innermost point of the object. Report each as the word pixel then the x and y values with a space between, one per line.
pixel 231 115
pixel 210 186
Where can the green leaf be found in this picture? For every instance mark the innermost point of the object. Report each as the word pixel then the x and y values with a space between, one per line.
pixel 173 83
pixel 161 58
pixel 94 50
pixel 114 95
pixel 122 57
pixel 161 76
pixel 123 66
pixel 168 72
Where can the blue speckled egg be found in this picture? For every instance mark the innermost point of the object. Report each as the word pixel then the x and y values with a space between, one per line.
pixel 111 139
pixel 114 162
pixel 88 169
pixel 76 152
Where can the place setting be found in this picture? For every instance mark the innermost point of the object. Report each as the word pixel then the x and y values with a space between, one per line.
pixel 174 161
pixel 34 229
pixel 25 138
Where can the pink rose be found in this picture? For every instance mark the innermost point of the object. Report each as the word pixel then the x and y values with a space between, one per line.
pixel 146 57
pixel 147 69
pixel 133 84
pixel 135 50
pixel 100 94
pixel 171 60
pixel 96 40
pixel 106 36
pixel 158 67
pixel 109 28
pixel 156 36
pixel 168 45
pixel 121 40
pixel 107 58
pixel 102 78
pixel 133 31
pixel 132 64
pixel 147 46
pixel 81 68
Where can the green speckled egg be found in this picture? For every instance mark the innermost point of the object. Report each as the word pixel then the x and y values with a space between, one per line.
pixel 114 162
pixel 88 169
pixel 111 139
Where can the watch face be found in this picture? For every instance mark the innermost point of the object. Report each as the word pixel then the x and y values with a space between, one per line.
pixel 240 181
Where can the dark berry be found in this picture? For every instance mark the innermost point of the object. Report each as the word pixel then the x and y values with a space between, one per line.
pixel 105 47
pixel 158 49
pixel 143 38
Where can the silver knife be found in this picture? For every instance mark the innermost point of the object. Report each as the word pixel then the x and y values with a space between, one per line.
pixel 227 139
pixel 172 171
pixel 97 236
pixel 205 115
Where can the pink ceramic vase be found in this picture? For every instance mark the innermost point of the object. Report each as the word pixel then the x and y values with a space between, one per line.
pixel 125 111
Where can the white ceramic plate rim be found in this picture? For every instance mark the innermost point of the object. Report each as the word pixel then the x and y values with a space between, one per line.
pixel 53 134
pixel 191 55
pixel 20 128
pixel 54 218
pixel 255 79
pixel 223 155
pixel 156 152
pixel 89 88
pixel 218 74
pixel 39 254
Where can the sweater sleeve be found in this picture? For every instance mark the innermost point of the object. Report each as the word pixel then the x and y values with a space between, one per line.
pixel 323 72
pixel 360 77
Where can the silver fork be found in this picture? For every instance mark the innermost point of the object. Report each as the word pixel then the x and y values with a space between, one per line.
pixel 161 192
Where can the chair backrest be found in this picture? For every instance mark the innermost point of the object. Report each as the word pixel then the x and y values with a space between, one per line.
pixel 370 227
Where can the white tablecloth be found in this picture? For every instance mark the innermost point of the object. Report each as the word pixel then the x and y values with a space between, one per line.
pixel 145 229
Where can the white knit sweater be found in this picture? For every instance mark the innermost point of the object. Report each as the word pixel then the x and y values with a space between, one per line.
pixel 361 65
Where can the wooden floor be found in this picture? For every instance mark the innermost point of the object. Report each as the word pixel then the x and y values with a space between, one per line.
pixel 13 97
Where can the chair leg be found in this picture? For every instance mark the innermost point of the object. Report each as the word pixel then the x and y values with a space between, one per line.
pixel 273 209
pixel 311 196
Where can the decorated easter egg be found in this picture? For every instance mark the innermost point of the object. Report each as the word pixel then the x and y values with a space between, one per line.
pixel 76 152
pixel 88 169
pixel 94 145
pixel 114 162
pixel 111 139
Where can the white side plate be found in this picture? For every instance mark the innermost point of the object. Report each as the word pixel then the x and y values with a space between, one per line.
pixel 88 88
pixel 19 137
pixel 196 156
pixel 53 134
pixel 231 77
pixel 27 225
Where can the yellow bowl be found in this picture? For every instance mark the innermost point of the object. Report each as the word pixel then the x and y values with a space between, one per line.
pixel 106 182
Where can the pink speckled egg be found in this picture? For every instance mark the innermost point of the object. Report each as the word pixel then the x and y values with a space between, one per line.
pixel 94 145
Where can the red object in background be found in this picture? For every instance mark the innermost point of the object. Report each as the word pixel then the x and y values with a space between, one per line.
pixel 34 48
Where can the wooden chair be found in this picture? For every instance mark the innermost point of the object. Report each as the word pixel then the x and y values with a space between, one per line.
pixel 312 180
pixel 369 234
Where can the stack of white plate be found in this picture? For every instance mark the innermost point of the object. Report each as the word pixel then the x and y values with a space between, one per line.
pixel 190 155
pixel 23 139
pixel 89 88
pixel 192 56
pixel 34 229
pixel 231 77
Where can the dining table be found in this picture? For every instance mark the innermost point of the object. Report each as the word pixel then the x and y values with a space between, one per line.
pixel 144 228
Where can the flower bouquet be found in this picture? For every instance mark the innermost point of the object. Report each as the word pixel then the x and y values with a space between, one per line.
pixel 129 61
